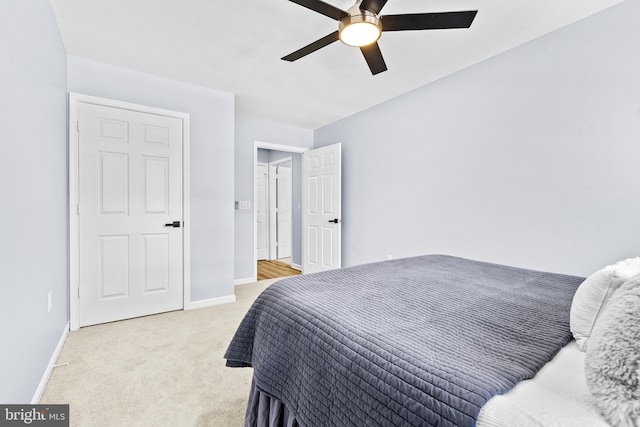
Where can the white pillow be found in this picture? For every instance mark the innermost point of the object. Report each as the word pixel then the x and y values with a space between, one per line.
pixel 593 294
pixel 613 357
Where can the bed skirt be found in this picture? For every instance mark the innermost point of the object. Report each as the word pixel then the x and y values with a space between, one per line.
pixel 264 410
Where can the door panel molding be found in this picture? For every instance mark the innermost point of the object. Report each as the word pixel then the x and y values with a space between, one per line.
pixel 114 130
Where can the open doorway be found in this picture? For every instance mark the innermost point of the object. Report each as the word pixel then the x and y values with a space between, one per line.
pixel 277 225
pixel 274 215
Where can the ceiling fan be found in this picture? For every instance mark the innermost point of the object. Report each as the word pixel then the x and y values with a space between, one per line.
pixel 362 25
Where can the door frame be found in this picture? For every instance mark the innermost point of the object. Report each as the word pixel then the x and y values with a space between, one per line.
pixel 266 146
pixel 273 234
pixel 75 99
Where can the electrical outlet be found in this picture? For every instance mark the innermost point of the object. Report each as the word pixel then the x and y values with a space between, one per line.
pixel 389 256
pixel 49 302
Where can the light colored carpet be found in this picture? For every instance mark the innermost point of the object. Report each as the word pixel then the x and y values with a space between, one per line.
pixel 162 370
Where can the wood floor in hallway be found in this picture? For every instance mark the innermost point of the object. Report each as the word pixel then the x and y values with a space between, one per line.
pixel 274 269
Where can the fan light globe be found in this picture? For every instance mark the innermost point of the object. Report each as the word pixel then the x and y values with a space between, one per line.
pixel 360 30
pixel 360 34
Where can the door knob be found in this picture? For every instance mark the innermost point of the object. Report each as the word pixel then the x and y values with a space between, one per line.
pixel 335 221
pixel 175 224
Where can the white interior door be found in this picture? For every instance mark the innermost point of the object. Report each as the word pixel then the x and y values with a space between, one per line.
pixel 284 206
pixel 262 207
pixel 273 211
pixel 130 194
pixel 321 204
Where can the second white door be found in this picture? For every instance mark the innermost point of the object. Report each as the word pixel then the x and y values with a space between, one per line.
pixel 284 215
pixel 262 211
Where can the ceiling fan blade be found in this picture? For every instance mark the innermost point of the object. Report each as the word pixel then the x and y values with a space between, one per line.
pixel 373 6
pixel 428 21
pixel 322 8
pixel 312 47
pixel 373 56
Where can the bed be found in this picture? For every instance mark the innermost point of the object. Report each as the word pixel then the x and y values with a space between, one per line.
pixel 427 340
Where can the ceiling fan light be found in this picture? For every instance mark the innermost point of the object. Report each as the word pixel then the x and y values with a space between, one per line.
pixel 360 30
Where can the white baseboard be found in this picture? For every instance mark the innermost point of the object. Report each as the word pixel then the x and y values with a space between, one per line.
pixel 296 267
pixel 52 361
pixel 244 281
pixel 211 302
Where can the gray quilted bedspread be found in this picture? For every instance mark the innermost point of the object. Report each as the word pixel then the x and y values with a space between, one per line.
pixel 415 341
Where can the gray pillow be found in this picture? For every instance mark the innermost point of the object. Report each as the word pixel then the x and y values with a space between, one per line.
pixel 612 360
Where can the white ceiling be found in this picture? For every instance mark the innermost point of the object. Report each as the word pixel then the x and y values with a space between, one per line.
pixel 236 46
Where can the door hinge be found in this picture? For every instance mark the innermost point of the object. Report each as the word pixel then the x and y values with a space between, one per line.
pixel 78 292
pixel 78 209
pixel 78 126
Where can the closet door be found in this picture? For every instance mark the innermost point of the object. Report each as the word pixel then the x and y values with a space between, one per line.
pixel 130 213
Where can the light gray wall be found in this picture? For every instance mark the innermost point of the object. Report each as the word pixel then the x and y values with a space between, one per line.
pixel 248 131
pixel 33 195
pixel 212 133
pixel 264 155
pixel 529 158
